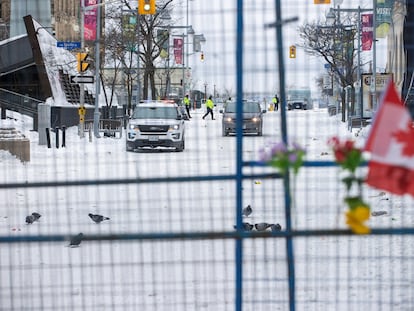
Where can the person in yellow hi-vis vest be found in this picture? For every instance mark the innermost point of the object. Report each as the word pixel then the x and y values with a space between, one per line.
pixel 209 106
pixel 275 101
pixel 187 104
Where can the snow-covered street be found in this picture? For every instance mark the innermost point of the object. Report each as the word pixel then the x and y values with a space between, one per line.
pixel 332 272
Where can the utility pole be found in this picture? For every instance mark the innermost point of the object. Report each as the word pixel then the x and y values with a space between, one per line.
pixel 97 68
pixel 374 58
pixel 96 114
pixel 81 89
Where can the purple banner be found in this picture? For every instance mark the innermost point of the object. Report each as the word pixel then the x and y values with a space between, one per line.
pixel 367 31
pixel 89 32
pixel 178 50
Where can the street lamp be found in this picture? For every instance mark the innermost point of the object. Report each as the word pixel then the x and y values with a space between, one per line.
pixel 96 114
pixel 197 41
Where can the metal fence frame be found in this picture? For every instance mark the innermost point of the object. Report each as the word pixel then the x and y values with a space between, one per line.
pixel 288 234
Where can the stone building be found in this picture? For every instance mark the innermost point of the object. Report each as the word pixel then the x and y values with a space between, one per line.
pixel 4 19
pixel 64 18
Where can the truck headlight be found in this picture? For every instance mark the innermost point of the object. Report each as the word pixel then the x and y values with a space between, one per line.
pixel 175 127
pixel 133 127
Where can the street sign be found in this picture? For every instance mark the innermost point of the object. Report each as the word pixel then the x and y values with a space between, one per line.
pixel 81 79
pixel 68 45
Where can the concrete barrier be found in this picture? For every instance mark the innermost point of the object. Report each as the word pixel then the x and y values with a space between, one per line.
pixel 16 143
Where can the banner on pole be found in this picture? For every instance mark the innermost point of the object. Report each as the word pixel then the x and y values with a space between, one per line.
pixel 178 50
pixel 89 31
pixel 367 31
pixel 383 17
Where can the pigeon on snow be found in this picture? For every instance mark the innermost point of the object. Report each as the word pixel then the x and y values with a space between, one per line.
pixel 76 240
pixel 36 215
pixel 262 226
pixel 246 226
pixel 32 218
pixel 275 227
pixel 98 218
pixel 247 211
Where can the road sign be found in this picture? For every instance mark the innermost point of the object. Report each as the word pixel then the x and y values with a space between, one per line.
pixel 81 79
pixel 68 45
pixel 82 64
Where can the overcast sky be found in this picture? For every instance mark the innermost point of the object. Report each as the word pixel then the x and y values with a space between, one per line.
pixel 217 21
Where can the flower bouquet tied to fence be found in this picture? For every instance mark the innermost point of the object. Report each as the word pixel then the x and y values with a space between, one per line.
pixel 349 158
pixel 283 157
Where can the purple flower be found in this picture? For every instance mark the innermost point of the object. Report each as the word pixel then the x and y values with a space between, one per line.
pixel 278 148
pixel 293 157
pixel 297 147
pixel 282 157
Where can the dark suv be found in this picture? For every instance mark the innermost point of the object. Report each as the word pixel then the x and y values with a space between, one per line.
pixel 252 118
pixel 298 104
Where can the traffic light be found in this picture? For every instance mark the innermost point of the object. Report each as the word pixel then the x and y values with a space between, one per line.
pixel 82 64
pixel 292 51
pixel 146 7
pixel 202 56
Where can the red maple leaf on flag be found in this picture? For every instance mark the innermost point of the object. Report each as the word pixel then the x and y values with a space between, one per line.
pixel 406 138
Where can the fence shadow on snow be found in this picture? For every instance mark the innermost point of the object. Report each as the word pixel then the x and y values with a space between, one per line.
pixel 173 235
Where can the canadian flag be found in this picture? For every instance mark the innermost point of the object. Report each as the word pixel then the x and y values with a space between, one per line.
pixel 391 143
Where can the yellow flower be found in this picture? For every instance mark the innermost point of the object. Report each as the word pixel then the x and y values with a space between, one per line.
pixel 356 217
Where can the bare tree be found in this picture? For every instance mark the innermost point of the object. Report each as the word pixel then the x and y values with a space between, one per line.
pixel 151 44
pixel 335 44
pixel 113 50
pixel 130 36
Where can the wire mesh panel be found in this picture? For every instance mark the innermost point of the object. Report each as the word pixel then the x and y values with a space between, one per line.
pixel 96 223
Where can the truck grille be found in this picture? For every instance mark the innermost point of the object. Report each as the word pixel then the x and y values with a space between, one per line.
pixel 154 128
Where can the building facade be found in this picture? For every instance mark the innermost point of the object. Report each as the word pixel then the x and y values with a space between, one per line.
pixel 66 20
pixel 64 16
pixel 4 19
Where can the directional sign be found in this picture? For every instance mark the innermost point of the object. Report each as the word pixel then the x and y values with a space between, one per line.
pixel 68 45
pixel 81 79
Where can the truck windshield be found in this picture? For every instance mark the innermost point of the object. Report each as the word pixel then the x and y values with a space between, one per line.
pixel 155 113
pixel 247 107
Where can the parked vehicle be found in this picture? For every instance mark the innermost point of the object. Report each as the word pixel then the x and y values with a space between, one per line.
pixel 298 104
pixel 299 98
pixel 156 124
pixel 252 118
